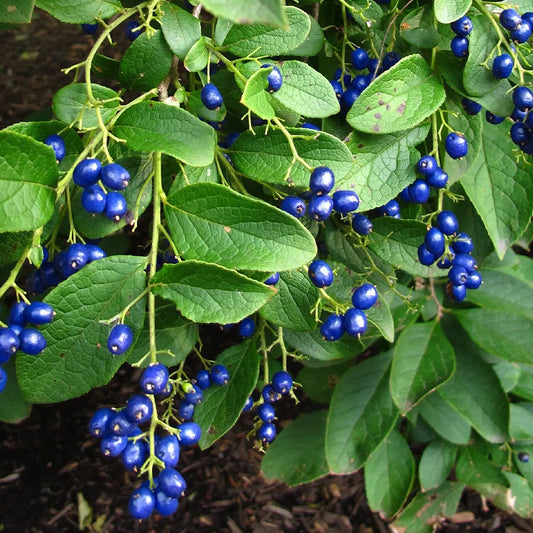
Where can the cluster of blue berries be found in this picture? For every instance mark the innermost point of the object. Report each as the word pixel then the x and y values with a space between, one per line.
pixel 522 129
pixel 121 435
pixel 18 336
pixel 462 28
pixel 95 199
pixel 65 263
pixel 432 176
pixel 353 321
pixel 451 250
pixel 321 204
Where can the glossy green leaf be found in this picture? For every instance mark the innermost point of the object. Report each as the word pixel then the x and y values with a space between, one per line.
pixel 80 11
pixel 508 374
pixel 297 455
pixel 12 246
pixel 16 13
pixel 186 175
pixel 380 315
pixel 501 191
pixel 383 166
pixel 389 475
pixel 146 62
pixel 248 11
pixel 211 222
pixel 197 57
pixel 71 105
pixel 427 510
pixel 174 334
pixel 319 383
pixel 264 40
pixel 423 360
pixel 502 333
pixel 520 501
pixel 180 28
pixel 28 175
pixel 524 384
pixel 447 11
pixel 418 28
pixel 267 157
pixel 398 99
pixel 205 292
pixel 14 407
pixel 361 414
pixel 436 463
pixel 256 97
pixel 312 44
pixel 306 91
pixel 77 359
pixel 476 394
pixel 292 305
pixel 521 421
pixel 155 126
pixel 105 67
pixel 222 405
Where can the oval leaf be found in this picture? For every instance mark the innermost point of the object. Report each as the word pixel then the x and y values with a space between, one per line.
pixel 447 11
pixel 79 11
pixel 248 11
pixel 180 28
pixel 436 463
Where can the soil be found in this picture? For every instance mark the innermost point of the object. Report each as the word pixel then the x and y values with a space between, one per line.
pixel 52 471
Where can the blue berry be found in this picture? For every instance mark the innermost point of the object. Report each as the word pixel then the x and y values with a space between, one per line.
pixel 519 133
pixel 337 87
pixel 474 280
pixel 435 241
pixel 320 207
pixel 141 503
pixel 246 327
pixel 165 505
pixel 359 58
pixel 94 253
pixel 3 379
pixel 458 292
pixel 154 379
pixel 456 145
pixel 190 433
pixel 113 445
pixel 348 98
pixel 90 29
pixel 425 256
pixel 492 118
pixel 9 344
pixel 524 457
pixel 345 202
pixel 203 379
pixel 93 199
pixel 427 165
pixel 466 261
pixel 390 59
pixel 38 313
pixel 310 126
pixel 471 107
pixel 518 115
pixel 248 405
pixel 16 314
pixel 211 97
pixel 219 375
pixel 171 482
pixel 444 263
pixel 322 180
pixel 365 296
pixel 87 172
pixel 267 433
pixel 194 395
pixel 418 192
pixel 274 79
pixel 168 450
pixel 459 46
pixel 75 259
pixel 135 454
pixel 355 322
pixel 115 176
pixel 502 66
pixel 361 224
pixel 333 328
pixel 462 244
pixel 186 410
pixel 294 206
pixel 510 19
pixel 99 424
pixel 458 275
pixel 139 409
pixel 32 341
pixel 120 339
pixel 120 424
pixel 266 412
pixel 273 279
pixel 115 206
pixel 359 83
pixel 269 395
pixel 529 17
pixel 320 273
pixel 130 30
pixel 522 33
pixel 438 179
pixel 282 382
pixel 523 98
pixel 390 209
pixel 58 145
pixel 447 222
pixel 462 27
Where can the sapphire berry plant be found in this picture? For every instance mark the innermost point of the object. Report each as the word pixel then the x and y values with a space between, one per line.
pixel 342 186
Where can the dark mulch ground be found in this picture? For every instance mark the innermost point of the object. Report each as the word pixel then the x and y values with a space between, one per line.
pixel 49 464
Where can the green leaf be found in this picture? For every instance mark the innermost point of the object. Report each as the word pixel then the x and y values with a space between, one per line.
pixel 222 406
pixel 361 414
pixel 418 28
pixel 195 106
pixel 320 382
pixel 267 157
pixel 398 99
pixel 155 126
pixel 71 105
pixel 477 76
pixel 501 191
pixel 262 40
pixel 521 496
pixel 146 62
pixel 174 334
pixel 105 67
pixel 447 11
pixel 508 374
pixel 427 510
pixel 255 95
pixel 80 11
pixel 313 43
pixel 138 196
pixel 197 57
pixel 380 315
pixel 77 359
pixel 204 292
pixel 28 175
pixel 19 13
pixel 13 406
pixel 501 333
pixel 306 91
pixel 292 305
pixel 440 415
pixel 423 360
pixel 436 463
pixel 524 385
pixel 521 422
pixel 248 11
pixel 389 475
pixel 186 175
pixel 383 165
pixel 298 455
pixel 12 246
pixel 211 222
pixel 181 29
pixel 396 242
pixel 476 394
